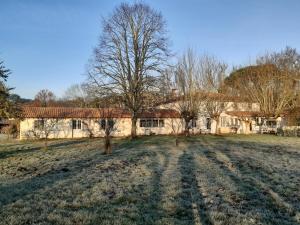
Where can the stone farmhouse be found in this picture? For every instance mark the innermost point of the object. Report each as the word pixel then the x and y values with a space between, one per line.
pixel 65 122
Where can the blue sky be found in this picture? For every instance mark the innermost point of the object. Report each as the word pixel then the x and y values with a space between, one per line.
pixel 47 43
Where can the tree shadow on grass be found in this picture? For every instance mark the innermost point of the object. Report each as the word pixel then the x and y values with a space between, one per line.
pixel 191 199
pixel 150 209
pixel 10 193
pixel 279 149
pixel 254 198
pixel 277 183
pixel 143 201
pixel 267 174
pixel 7 154
pixel 15 152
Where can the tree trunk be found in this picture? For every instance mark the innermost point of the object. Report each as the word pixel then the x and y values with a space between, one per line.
pixel 133 127
pixel 107 145
pixel 46 144
pixel 186 128
pixel 176 141
pixel 217 126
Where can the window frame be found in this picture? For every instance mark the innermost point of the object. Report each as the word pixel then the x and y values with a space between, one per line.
pixel 102 124
pixel 76 124
pixel 161 123
pixel 152 123
pixel 194 123
pixel 39 124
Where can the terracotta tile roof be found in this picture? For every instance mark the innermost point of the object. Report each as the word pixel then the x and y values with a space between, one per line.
pixel 160 113
pixel 211 96
pixel 244 113
pixel 70 112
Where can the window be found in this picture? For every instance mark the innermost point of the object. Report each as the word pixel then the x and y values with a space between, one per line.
pixel 233 122
pixel 148 123
pixel 271 123
pixel 39 124
pixel 258 121
pixel 76 124
pixel 110 123
pixel 142 123
pixel 208 123
pixel 194 123
pixel 103 124
pixel 229 122
pixel 161 123
pixel 298 121
pixel 236 121
pixel 152 123
pixel 223 121
pixel 155 123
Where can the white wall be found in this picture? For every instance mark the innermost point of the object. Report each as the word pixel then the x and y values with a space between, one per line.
pixel 63 128
pixel 122 127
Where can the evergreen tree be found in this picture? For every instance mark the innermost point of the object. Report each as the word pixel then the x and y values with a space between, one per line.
pixel 8 108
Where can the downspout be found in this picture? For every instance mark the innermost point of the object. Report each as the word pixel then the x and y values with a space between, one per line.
pixel 72 126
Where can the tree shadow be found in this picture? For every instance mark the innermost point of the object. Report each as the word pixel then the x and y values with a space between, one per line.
pixel 12 192
pixel 272 176
pixel 7 153
pixel 150 209
pixel 9 193
pixel 252 197
pixel 67 143
pixel 274 149
pixel 191 199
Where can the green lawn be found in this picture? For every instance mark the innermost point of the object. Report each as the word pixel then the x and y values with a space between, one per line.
pixel 205 180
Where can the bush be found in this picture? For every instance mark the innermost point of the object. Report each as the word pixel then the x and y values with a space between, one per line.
pixel 280 132
pixel 11 130
pixel 289 132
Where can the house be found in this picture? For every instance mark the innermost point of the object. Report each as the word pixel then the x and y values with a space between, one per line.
pixel 238 116
pixel 67 122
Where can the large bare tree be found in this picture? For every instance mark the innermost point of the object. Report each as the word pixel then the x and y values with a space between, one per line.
pixel 188 84
pixel 199 81
pixel 132 52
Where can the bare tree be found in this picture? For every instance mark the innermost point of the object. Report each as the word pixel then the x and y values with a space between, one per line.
pixel 108 110
pixel 188 84
pixel 132 52
pixel 167 87
pixel 212 73
pixel 108 123
pixel 214 106
pixel 45 97
pixel 42 129
pixel 77 93
pixel 177 124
